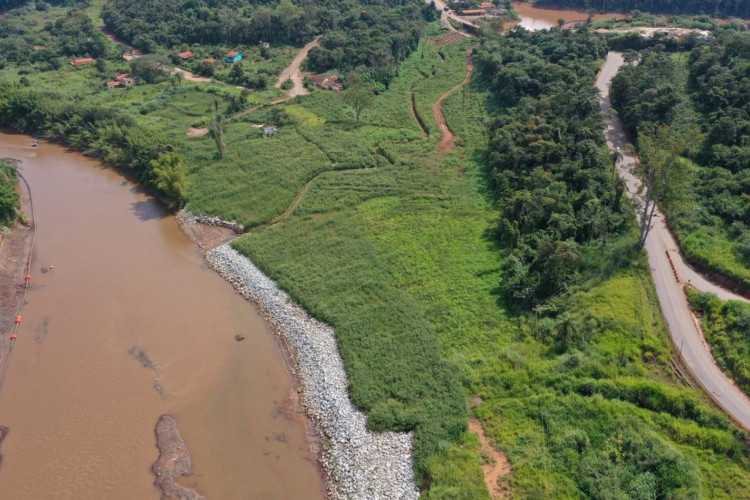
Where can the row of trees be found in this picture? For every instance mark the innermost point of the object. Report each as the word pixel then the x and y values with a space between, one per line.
pixel 737 8
pixel 551 178
pixel 10 205
pixel 115 138
pixel 377 35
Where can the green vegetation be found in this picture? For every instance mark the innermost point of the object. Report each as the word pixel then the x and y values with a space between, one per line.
pixel 406 252
pixel 10 204
pixel 706 88
pixel 727 329
pixel 377 35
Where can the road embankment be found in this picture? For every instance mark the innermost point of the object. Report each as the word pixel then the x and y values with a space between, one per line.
pixel 357 463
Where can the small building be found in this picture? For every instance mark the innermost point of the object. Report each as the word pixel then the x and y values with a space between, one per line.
pixel 473 12
pixel 114 85
pixel 266 45
pixel 125 79
pixel 185 55
pixel 233 56
pixel 209 60
pixel 270 130
pixel 79 62
pixel 326 82
pixel 486 5
pixel 39 47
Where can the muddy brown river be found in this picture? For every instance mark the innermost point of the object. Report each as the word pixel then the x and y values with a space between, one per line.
pixel 111 271
pixel 539 18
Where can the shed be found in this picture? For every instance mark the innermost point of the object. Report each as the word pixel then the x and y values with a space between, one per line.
pixel 185 55
pixel 209 60
pixel 233 56
pixel 326 82
pixel 270 130
pixel 79 62
pixel 114 85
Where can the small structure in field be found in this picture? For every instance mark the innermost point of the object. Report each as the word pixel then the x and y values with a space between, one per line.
pixel 39 47
pixel 185 55
pixel 486 5
pixel 80 62
pixel 233 56
pixel 266 45
pixel 209 60
pixel 270 130
pixel 125 79
pixel 114 85
pixel 326 82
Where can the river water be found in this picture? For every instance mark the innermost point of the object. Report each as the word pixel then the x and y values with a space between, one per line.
pixel 111 271
pixel 539 18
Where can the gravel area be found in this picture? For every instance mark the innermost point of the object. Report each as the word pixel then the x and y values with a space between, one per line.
pixel 358 464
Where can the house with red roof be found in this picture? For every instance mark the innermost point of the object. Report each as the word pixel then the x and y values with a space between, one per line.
pixel 79 62
pixel 209 60
pixel 233 56
pixel 185 55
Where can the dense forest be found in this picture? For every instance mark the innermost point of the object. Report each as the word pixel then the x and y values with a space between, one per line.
pixel 736 8
pixel 565 227
pixel 71 36
pixel 9 200
pixel 551 178
pixel 375 34
pixel 713 91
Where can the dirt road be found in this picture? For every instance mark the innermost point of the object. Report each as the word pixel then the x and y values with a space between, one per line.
pixel 661 247
pixel 447 15
pixel 446 144
pixel 293 72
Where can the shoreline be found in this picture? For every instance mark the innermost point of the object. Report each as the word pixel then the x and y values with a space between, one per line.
pixel 354 462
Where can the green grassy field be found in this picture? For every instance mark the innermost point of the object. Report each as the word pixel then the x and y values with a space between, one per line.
pixel 390 243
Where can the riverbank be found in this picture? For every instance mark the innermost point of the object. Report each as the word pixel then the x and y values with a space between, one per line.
pixel 357 463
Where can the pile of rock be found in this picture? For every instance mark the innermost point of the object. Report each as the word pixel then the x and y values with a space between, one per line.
pixel 184 216
pixel 357 463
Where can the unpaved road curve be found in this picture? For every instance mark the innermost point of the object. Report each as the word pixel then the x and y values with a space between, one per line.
pixel 446 144
pixel 661 247
pixel 292 72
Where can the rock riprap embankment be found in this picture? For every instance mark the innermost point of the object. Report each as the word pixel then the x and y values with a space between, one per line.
pixel 358 464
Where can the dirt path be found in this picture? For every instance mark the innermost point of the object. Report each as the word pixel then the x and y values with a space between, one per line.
pixel 498 469
pixel 297 199
pixel 670 272
pixel 293 72
pixel 446 144
pixel 112 38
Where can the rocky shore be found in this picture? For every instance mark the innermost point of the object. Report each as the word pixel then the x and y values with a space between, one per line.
pixel 358 464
